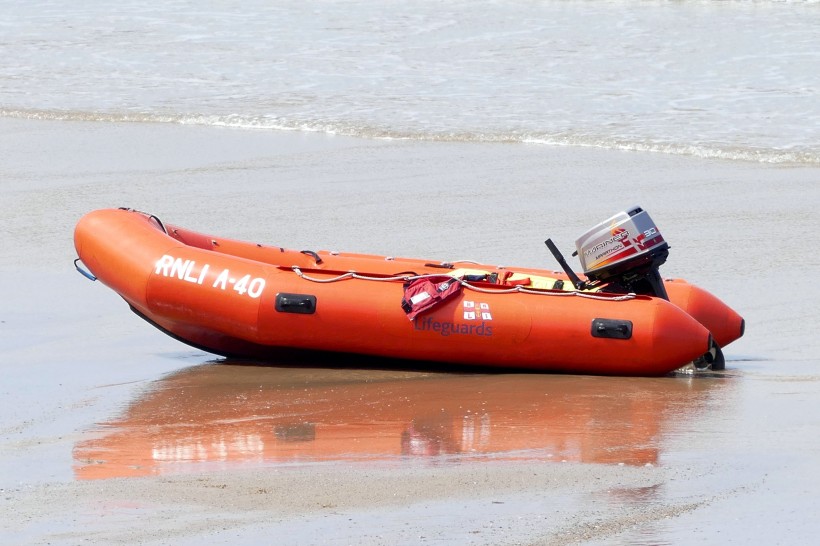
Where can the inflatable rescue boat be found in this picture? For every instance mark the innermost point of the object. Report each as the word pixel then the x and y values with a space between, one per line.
pixel 253 301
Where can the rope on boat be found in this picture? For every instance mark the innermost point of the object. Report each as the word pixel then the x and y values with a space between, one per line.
pixel 465 284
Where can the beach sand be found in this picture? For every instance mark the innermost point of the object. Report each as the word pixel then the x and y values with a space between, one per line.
pixel 88 388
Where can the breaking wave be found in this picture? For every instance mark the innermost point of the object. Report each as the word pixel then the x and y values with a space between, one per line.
pixel 706 150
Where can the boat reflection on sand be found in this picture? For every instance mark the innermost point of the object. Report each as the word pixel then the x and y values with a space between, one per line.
pixel 225 415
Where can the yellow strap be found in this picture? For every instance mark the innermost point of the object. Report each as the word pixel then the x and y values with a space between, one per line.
pixel 545 283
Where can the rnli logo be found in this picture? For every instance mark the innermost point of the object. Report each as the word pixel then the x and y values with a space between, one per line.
pixel 477 311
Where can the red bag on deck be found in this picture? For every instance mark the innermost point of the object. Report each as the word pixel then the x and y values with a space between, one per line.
pixel 424 294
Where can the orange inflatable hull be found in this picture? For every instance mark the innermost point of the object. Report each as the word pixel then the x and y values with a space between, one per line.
pixel 256 301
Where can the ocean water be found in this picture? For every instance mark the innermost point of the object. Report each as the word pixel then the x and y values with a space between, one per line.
pixel 735 80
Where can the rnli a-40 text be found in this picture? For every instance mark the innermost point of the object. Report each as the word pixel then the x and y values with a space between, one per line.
pixel 186 270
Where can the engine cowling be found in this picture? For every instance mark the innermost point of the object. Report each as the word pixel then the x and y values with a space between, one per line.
pixel 624 252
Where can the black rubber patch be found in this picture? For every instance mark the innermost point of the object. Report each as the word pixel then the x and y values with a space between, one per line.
pixel 302 304
pixel 611 328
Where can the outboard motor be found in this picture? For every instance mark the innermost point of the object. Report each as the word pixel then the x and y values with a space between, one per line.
pixel 623 253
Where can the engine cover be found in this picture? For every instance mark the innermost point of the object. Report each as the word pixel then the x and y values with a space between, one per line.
pixel 627 242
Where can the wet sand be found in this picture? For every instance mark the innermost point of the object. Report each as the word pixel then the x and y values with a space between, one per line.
pixel 110 432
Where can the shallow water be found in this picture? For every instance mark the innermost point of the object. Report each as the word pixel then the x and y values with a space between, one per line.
pixel 226 415
pixel 686 78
